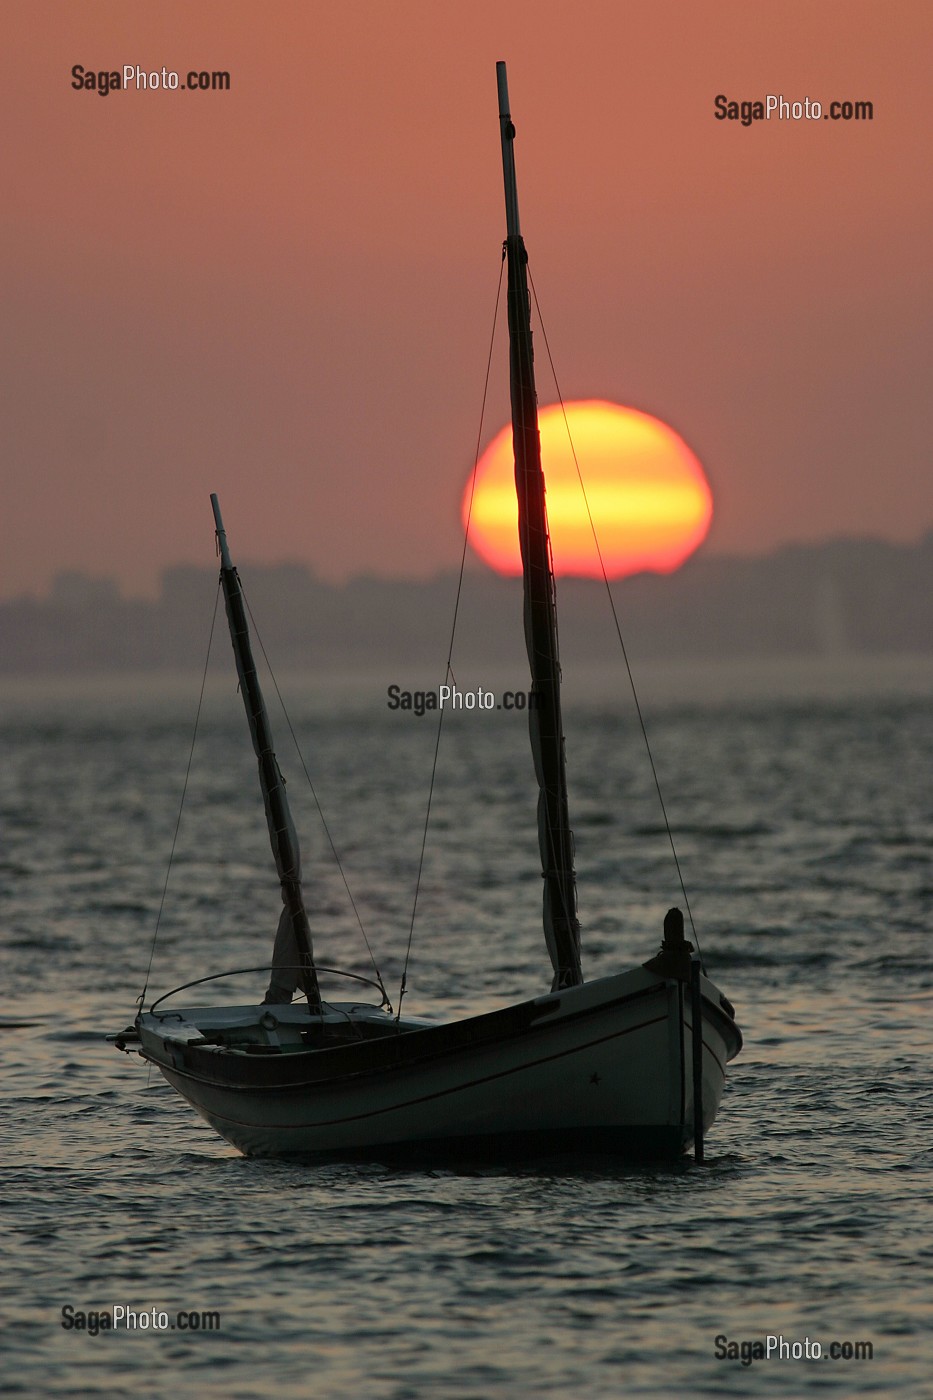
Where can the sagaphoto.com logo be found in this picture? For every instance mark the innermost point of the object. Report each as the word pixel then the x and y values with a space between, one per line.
pixel 133 77
pixel 451 697
pixel 778 108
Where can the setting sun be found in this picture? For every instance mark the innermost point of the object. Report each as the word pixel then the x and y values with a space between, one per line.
pixel 648 495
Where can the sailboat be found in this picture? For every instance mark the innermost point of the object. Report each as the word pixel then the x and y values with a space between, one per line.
pixel 630 1065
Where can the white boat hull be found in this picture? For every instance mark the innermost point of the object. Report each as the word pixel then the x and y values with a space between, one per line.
pixel 604 1067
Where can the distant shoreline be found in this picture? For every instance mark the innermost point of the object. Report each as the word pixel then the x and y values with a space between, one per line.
pixel 848 601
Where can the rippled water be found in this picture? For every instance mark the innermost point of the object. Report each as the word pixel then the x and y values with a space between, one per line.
pixel 804 831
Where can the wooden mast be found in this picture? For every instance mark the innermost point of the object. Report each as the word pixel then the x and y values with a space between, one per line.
pixel 281 827
pixel 561 928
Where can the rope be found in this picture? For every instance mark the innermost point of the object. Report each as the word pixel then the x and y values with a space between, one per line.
pixel 448 674
pixel 615 618
pixel 197 718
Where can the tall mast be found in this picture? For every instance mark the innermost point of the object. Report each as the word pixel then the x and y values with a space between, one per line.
pixel 561 928
pixel 293 950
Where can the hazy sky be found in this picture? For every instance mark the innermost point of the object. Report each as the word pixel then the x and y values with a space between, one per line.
pixel 284 292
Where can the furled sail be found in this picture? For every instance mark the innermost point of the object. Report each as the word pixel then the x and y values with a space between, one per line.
pixel 561 927
pixel 293 957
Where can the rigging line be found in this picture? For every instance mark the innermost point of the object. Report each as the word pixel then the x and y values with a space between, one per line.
pixel 320 810
pixel 142 996
pixel 615 618
pixel 403 986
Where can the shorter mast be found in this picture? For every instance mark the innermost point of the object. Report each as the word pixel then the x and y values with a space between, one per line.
pixel 561 927
pixel 294 956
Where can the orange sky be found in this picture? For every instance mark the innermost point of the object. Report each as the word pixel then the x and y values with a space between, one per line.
pixel 284 293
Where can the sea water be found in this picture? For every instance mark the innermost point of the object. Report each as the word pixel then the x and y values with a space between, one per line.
pixel 799 1257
